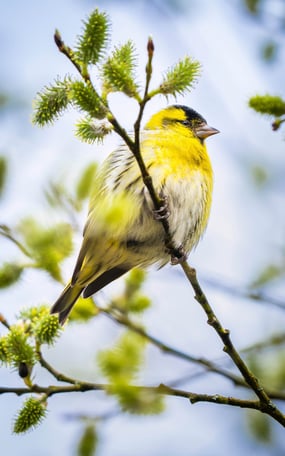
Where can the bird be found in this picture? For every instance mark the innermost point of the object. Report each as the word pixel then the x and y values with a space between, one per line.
pixel 172 146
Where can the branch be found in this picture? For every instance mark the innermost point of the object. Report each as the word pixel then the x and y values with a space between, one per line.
pixel 6 232
pixel 161 389
pixel 208 365
pixel 265 402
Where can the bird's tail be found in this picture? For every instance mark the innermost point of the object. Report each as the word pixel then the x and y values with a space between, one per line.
pixel 65 302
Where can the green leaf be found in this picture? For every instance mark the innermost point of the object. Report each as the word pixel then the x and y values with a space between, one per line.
pixel 51 102
pixel 268 104
pixel 118 71
pixel 94 39
pixel 84 184
pixel 90 132
pixel 10 274
pixel 88 441
pixel 86 99
pixel 181 77
pixel 30 416
pixel 3 173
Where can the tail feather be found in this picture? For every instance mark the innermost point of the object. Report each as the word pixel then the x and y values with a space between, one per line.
pixel 103 280
pixel 65 302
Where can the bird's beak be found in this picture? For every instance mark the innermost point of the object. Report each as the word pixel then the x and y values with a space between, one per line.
pixel 204 130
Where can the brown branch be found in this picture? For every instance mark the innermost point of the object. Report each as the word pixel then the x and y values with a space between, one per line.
pixel 266 404
pixel 161 389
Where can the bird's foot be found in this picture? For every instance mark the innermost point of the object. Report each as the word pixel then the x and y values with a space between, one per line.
pixel 163 212
pixel 178 255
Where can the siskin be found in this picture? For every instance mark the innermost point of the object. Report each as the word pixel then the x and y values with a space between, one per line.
pixel 121 230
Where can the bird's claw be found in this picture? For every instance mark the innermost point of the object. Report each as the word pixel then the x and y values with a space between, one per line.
pixel 178 255
pixel 163 212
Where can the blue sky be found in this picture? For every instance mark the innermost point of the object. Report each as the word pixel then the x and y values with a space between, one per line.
pixel 246 227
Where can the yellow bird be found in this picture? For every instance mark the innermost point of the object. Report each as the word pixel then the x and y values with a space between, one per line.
pixel 175 155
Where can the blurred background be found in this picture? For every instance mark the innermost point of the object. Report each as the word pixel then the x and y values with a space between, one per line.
pixel 240 45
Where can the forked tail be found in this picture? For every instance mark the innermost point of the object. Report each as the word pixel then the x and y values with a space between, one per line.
pixel 65 302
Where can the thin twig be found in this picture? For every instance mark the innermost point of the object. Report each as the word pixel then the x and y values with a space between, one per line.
pixel 238 291
pixel 56 374
pixel 210 366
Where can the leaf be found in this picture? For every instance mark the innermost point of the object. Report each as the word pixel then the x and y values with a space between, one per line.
pixel 94 39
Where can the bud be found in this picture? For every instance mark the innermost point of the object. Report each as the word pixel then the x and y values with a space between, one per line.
pixel 150 47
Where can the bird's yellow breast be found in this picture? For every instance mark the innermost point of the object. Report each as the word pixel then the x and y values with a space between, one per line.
pixel 177 151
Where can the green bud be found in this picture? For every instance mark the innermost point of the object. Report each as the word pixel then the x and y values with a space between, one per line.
pixel 84 310
pixel 138 303
pixel 51 102
pixel 88 442
pixel 181 77
pixel 4 356
pixel 94 39
pixel 268 104
pixel 260 426
pixel 135 278
pixel 91 131
pixel 49 246
pixel 3 173
pixel 30 416
pixel 9 274
pixel 118 71
pixel 137 400
pixel 123 361
pixel 18 348
pixel 85 182
pixel 86 98
pixel 47 329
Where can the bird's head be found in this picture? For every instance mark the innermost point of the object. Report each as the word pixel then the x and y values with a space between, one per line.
pixel 181 118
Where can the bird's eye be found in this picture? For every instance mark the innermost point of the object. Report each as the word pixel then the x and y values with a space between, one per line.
pixel 186 123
